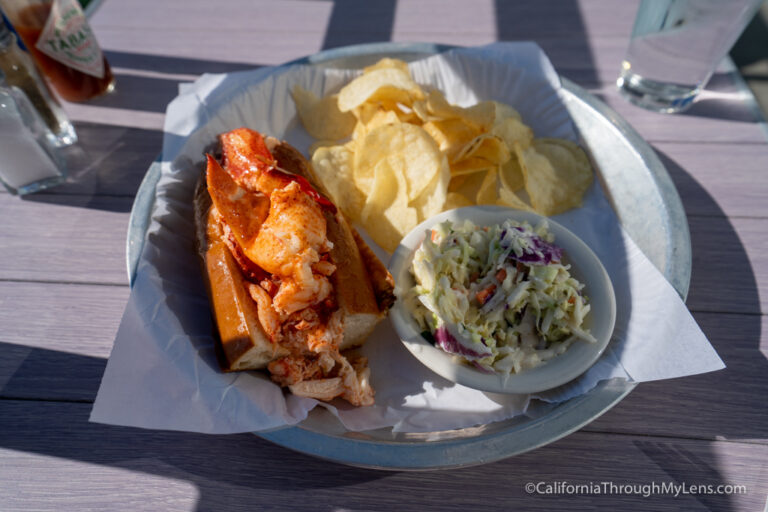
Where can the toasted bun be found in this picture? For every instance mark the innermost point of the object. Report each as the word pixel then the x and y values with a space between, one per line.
pixel 363 287
pixel 243 342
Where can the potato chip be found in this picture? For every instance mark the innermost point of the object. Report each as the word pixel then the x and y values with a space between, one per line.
pixel 438 106
pixel 451 135
pixel 511 175
pixel 380 118
pixel 401 108
pixel 563 152
pixel 480 115
pixel 488 188
pixel 372 108
pixel 504 111
pixel 388 62
pixel 386 215
pixel 332 167
pixel 511 200
pixel 457 183
pixel 394 99
pixel 456 200
pixel 407 147
pixel 321 144
pixel 321 117
pixel 431 201
pixel 556 178
pixel 512 130
pixel 484 152
pixel 421 110
pixel 414 154
pixel 488 147
pixel 470 166
pixel 391 81
pixel 467 184
pixel 371 116
pixel 365 112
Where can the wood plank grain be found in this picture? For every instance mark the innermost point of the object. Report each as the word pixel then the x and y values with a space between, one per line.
pixel 729 261
pixel 201 17
pixel 716 180
pixel 41 374
pixel 56 335
pixel 94 465
pixel 718 116
pixel 316 28
pixel 720 405
pixel 586 43
pixel 523 19
pixel 57 349
pixel 79 319
pixel 730 265
pixel 517 20
pixel 80 228
pixel 64 238
pixel 56 338
pixel 109 160
pixel 565 53
pixel 135 92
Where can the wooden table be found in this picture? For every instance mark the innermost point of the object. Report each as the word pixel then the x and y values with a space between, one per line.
pixel 63 283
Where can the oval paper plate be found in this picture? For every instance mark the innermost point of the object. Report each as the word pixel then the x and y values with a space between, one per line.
pixel 585 267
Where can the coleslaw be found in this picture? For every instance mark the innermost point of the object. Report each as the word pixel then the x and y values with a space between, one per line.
pixel 497 297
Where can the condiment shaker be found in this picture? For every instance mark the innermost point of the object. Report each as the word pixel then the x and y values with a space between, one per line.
pixel 18 70
pixel 29 162
pixel 57 34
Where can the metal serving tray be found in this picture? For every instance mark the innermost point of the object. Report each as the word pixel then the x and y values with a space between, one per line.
pixel 649 208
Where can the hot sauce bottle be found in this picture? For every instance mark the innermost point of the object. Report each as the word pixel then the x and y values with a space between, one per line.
pixel 57 34
pixel 17 70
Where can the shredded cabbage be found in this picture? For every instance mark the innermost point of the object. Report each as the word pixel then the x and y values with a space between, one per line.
pixel 497 297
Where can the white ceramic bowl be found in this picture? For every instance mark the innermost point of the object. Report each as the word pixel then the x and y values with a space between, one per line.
pixel 585 267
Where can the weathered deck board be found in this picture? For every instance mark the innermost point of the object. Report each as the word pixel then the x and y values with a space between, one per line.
pixel 81 319
pixel 729 265
pixel 603 18
pixel 94 465
pixel 62 353
pixel 726 180
pixel 64 238
pixel 114 159
pixel 63 283
pixel 711 118
pixel 718 405
pixel 95 226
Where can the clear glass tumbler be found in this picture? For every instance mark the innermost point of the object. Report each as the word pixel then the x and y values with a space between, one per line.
pixel 29 161
pixel 675 47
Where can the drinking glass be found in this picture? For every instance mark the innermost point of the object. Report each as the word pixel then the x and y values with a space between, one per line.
pixel 29 161
pixel 675 47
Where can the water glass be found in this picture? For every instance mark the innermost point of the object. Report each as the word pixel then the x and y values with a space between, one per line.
pixel 29 161
pixel 675 47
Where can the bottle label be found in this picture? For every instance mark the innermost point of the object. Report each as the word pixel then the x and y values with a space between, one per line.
pixel 67 38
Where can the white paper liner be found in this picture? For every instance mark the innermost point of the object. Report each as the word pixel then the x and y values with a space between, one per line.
pixel 163 373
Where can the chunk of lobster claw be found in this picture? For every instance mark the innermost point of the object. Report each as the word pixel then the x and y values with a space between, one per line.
pixel 243 211
pixel 245 154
